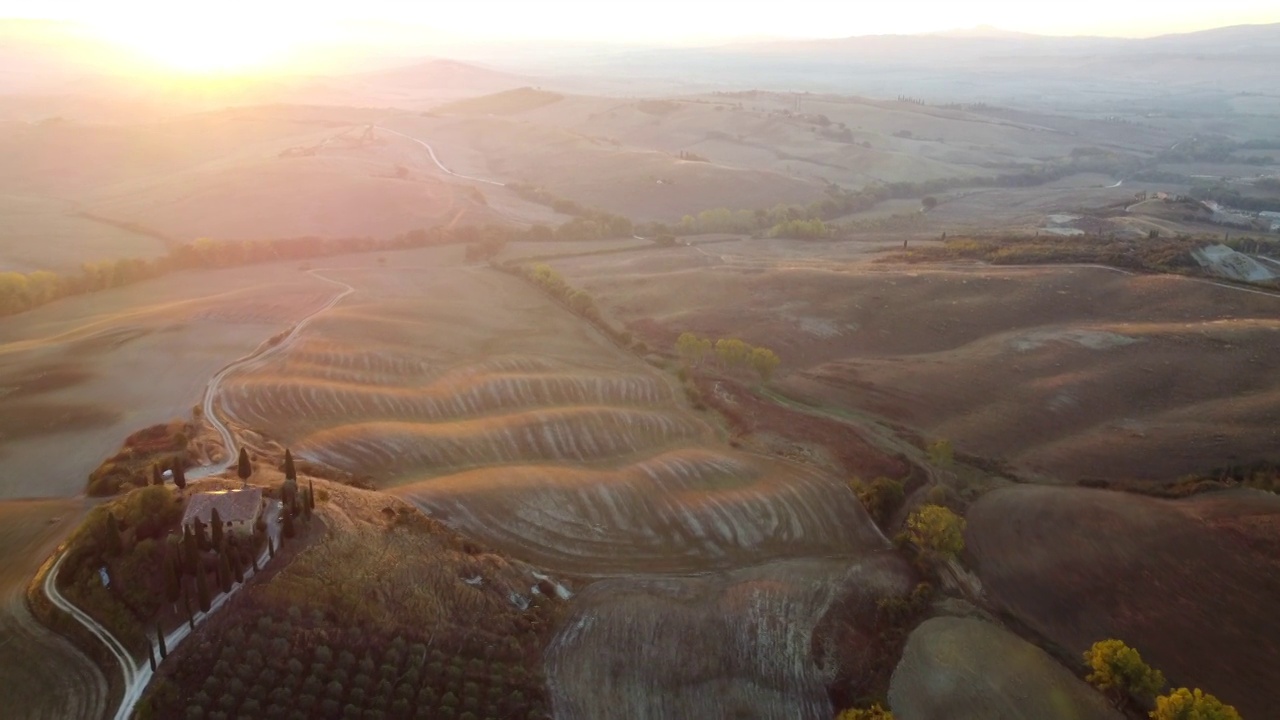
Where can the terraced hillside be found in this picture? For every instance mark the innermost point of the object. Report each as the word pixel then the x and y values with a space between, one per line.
pixel 523 426
pixel 526 429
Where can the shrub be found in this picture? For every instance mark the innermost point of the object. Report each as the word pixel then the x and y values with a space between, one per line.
pixel 937 529
pixel 881 497
pixel 1184 704
pixel 1118 671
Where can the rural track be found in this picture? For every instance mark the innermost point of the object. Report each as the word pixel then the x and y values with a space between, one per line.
pixel 431 151
pixel 264 350
pixel 136 675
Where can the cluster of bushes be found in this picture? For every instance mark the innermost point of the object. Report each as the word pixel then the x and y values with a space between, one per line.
pixel 144 455
pixel 287 664
pixel 127 538
pixel 730 353
pixel 862 693
pixel 1120 673
pixel 881 497
pixel 588 223
pixel 577 301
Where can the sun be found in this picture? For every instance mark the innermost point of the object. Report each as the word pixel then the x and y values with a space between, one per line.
pixel 204 43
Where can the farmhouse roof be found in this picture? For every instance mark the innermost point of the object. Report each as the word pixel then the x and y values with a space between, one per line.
pixel 233 505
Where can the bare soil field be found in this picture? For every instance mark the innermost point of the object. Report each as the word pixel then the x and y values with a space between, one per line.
pixel 1067 372
pixel 81 374
pixel 42 676
pixel 965 669
pixel 734 644
pixel 1191 584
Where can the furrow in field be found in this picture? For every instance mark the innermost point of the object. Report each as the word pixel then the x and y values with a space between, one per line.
pixel 268 400
pixel 681 510
pixel 580 434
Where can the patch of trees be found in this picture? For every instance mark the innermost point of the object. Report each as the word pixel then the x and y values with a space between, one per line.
pixel 143 458
pixel 693 157
pixel 127 539
pixel 278 661
pixel 881 497
pixel 577 301
pixel 587 224
pixel 730 354
pixel 1120 673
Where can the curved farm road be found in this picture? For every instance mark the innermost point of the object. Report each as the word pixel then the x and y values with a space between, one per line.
pixel 431 151
pixel 265 350
pixel 42 675
pixel 137 675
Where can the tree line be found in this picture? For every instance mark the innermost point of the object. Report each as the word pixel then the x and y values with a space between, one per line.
pixel 730 353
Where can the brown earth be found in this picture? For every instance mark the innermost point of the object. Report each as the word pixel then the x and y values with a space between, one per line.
pixel 1192 584
pixel 1066 372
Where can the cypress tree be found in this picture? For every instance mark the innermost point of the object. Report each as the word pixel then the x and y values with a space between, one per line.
pixel 172 589
pixel 201 533
pixel 164 651
pixel 151 657
pixel 243 468
pixel 202 590
pixel 311 495
pixel 179 474
pixel 271 548
pixel 288 523
pixel 186 605
pixel 115 544
pixel 237 565
pixel 191 551
pixel 224 574
pixel 289 472
pixel 215 522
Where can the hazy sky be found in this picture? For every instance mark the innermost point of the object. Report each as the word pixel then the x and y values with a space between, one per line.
pixel 648 20
pixel 236 33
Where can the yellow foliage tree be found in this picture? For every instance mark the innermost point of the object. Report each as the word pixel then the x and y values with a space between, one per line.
pixel 1118 671
pixel 875 712
pixel 935 528
pixel 732 352
pixel 765 361
pixel 941 454
pixel 692 348
pixel 1184 704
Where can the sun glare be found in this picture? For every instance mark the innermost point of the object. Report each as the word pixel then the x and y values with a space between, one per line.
pixel 206 43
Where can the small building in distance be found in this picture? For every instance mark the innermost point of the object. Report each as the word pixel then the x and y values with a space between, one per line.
pixel 239 510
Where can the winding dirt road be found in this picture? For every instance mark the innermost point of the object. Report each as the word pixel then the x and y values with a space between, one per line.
pixel 431 151
pixel 136 675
